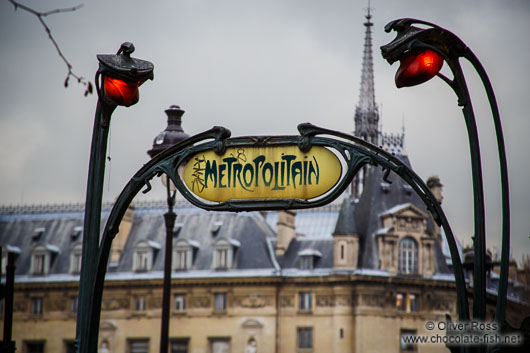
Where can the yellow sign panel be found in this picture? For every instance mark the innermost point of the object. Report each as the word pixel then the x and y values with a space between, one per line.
pixel 273 172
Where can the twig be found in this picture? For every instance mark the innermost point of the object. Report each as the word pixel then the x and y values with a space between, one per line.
pixel 40 15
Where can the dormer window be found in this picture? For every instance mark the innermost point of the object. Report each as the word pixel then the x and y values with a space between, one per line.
pixel 408 256
pixel 306 262
pixel 224 253
pixel 216 226
pixel 76 232
pixel 37 233
pixel 308 258
pixel 184 252
pixel 145 252
pixel 42 257
pixel 75 258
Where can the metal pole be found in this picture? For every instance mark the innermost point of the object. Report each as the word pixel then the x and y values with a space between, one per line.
pixel 92 222
pixel 9 346
pixel 500 309
pixel 169 218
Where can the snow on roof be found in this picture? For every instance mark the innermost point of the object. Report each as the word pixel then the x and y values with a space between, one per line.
pixel 395 209
pixel 310 252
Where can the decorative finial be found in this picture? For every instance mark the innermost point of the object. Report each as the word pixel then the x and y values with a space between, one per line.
pixel 368 12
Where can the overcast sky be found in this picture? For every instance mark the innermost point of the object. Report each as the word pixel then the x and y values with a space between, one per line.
pixel 258 68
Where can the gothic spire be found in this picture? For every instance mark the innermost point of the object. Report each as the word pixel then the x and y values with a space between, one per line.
pixel 366 117
pixel 366 112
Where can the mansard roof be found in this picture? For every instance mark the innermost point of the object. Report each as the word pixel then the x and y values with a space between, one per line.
pixel 300 246
pixel 16 230
pixel 249 230
pixel 200 228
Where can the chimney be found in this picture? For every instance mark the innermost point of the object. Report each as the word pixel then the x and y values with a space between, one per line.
pixel 285 230
pixel 436 188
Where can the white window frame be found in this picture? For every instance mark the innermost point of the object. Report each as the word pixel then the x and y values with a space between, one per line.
pixel 223 253
pixel 179 303
pixel 75 258
pixel 220 302
pixel 307 262
pixel 408 256
pixel 144 255
pixel 140 303
pixel 305 301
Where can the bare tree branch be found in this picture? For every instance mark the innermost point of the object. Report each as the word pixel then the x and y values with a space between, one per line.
pixel 40 15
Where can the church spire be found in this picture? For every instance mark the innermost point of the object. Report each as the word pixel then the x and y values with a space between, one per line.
pixel 366 117
pixel 366 113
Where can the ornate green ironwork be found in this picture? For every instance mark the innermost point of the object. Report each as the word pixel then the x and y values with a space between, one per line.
pixel 411 39
pixel 355 152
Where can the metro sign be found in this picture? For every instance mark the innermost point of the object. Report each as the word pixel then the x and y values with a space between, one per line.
pixel 264 172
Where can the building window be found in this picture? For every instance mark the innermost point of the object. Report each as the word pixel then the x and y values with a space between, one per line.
pixel 75 258
pixel 139 303
pixel 405 343
pixel 36 306
pixel 178 346
pixel 407 302
pixel 225 253
pixel 220 302
pixel 138 345
pixel 401 304
pixel 220 345
pixel 342 249
pixel 306 262
pixel 180 302
pixel 181 262
pixel 39 261
pixel 408 256
pixel 34 347
pixel 222 258
pixel 145 252
pixel 74 303
pixel 142 260
pixel 304 302
pixel 305 337
pixel 76 263
pixel 413 303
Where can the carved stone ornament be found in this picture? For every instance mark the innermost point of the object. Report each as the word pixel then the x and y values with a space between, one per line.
pixel 286 301
pixel 110 304
pixel 252 301
pixel 252 323
pixel 325 300
pixel 200 302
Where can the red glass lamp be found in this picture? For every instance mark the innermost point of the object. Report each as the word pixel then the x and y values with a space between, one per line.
pixel 418 68
pixel 121 92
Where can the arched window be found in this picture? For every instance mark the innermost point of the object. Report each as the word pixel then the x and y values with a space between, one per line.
pixel 408 256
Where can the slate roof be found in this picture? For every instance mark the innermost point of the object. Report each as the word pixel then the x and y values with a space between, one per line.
pixel 291 257
pixel 248 230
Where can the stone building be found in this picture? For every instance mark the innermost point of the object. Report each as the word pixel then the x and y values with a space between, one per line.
pixel 352 277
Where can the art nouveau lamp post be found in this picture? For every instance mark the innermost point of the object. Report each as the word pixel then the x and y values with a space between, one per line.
pixel 422 52
pixel 172 135
pixel 117 81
